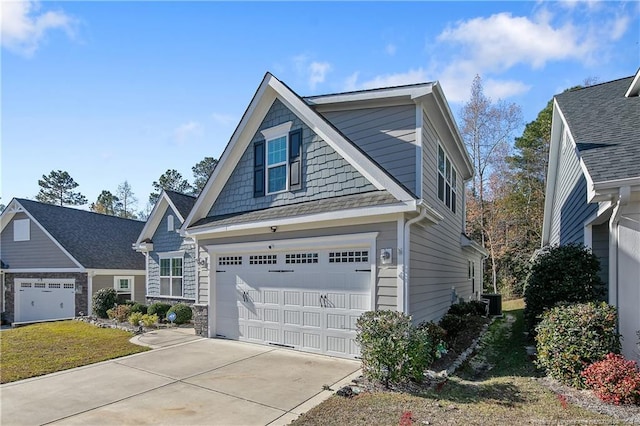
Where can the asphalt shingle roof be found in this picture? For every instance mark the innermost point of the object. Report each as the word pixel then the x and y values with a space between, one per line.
pixel 95 240
pixel 604 124
pixel 366 199
pixel 183 202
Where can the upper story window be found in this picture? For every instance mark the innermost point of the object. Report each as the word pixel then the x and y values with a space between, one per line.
pixel 21 230
pixel 170 224
pixel 277 160
pixel 447 180
pixel 171 269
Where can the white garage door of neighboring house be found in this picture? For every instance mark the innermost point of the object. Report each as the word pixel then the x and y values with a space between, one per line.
pixel 44 299
pixel 305 299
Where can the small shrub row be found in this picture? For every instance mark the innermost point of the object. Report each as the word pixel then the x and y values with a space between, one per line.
pixel 147 320
pixel 392 350
pixel 569 338
pixel 458 317
pixel 614 379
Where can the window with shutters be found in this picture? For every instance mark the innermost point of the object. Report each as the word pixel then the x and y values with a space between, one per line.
pixel 277 160
pixel 447 180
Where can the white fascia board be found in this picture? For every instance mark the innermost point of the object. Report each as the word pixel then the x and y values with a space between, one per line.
pixel 371 171
pixel 365 239
pixel 154 220
pixel 419 148
pixel 12 208
pixel 19 208
pixel 306 219
pixel 634 88
pixel 42 270
pixel 557 124
pixel 367 95
pixel 232 152
pixel 617 183
pixel 94 272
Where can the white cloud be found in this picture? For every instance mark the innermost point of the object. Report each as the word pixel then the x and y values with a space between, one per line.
pixel 23 27
pixel 223 119
pixel 183 133
pixel 317 73
pixel 502 89
pixel 397 79
pixel 390 49
pixel 351 82
pixel 619 26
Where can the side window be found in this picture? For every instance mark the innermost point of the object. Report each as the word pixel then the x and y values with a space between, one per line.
pixel 21 230
pixel 170 224
pixel 447 180
pixel 277 161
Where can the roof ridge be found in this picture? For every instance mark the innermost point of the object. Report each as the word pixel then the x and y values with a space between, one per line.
pixel 180 193
pixel 48 205
pixel 400 86
pixel 581 88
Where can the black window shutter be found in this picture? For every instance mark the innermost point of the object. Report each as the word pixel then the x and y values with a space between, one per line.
pixel 295 160
pixel 258 169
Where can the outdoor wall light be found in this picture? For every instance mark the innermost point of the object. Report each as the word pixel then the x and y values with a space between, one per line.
pixel 274 228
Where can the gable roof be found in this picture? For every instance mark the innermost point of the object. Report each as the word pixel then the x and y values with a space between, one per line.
pixel 94 240
pixel 604 125
pixel 181 204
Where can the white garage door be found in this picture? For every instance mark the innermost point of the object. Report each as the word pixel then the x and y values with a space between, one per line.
pixel 308 300
pixel 44 299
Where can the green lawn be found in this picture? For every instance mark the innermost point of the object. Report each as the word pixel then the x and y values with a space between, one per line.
pixel 38 349
pixel 506 391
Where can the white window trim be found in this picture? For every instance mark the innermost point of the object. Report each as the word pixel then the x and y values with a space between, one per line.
pixel 170 223
pixel 270 134
pixel 116 283
pixel 170 255
pixel 453 181
pixel 22 230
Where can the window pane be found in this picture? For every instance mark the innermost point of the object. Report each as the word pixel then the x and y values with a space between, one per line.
pixel 453 202
pixel 165 267
pixel 176 266
pixel 454 179
pixel 176 287
pixel 447 193
pixel 440 160
pixel 124 284
pixel 164 286
pixel 277 178
pixel 440 187
pixel 448 171
pixel 277 150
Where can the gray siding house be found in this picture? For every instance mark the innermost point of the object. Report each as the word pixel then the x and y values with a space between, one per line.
pixel 322 208
pixel 55 258
pixel 170 258
pixel 593 189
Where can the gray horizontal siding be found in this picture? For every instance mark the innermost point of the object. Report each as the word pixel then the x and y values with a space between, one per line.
pixel 39 252
pixel 570 208
pixel 386 278
pixel 386 134
pixel 167 241
pixel 324 172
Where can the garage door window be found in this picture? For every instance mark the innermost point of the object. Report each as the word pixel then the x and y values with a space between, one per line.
pixel 263 259
pixel 292 258
pixel 349 256
pixel 171 277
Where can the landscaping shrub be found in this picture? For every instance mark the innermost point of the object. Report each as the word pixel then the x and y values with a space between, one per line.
pixel 149 320
pixel 569 338
pixel 158 308
pixel 614 379
pixel 120 313
pixel 139 307
pixel 392 350
pixel 473 307
pixel 183 313
pixel 453 325
pixel 135 318
pixel 561 274
pixel 103 300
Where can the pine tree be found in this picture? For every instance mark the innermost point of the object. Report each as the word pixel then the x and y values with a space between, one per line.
pixel 57 188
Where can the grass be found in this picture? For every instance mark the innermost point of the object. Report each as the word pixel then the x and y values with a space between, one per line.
pixel 38 349
pixel 505 391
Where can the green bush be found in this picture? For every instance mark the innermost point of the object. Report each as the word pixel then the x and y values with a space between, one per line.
pixel 453 325
pixel 570 338
pixel 473 307
pixel 120 313
pixel 391 349
pixel 139 307
pixel 158 308
pixel 135 318
pixel 103 300
pixel 149 320
pixel 561 274
pixel 183 313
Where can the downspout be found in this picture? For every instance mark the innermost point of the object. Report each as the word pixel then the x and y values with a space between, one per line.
pixel 623 199
pixel 405 253
pixel 90 274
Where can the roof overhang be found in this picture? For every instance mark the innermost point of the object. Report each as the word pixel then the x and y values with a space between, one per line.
pixel 470 245
pixel 605 191
pixel 154 220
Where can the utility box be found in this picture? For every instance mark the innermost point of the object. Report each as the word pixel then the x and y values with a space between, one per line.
pixel 495 303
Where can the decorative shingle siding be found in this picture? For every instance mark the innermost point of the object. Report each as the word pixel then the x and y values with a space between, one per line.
pixel 386 134
pixel 168 241
pixel 324 172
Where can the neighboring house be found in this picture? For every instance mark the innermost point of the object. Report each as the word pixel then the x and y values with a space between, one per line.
pixel 170 257
pixel 593 188
pixel 55 258
pixel 325 207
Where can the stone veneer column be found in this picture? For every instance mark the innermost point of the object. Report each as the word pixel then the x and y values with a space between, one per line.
pixel 201 319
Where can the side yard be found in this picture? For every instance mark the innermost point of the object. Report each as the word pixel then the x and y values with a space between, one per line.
pixel 38 349
pixel 499 385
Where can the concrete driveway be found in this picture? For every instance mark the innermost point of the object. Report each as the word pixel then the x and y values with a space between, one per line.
pixel 186 381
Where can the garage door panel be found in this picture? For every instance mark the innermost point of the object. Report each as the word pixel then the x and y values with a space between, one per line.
pixel 301 300
pixel 40 299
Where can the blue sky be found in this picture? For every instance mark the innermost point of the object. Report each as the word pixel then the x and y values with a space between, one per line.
pixel 114 91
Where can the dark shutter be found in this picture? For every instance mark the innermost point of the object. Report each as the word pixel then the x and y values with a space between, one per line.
pixel 295 160
pixel 258 169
